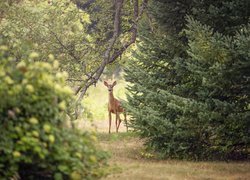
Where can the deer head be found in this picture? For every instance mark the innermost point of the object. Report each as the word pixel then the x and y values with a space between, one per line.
pixel 110 86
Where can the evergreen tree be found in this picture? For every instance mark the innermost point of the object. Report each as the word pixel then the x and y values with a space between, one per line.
pixel 156 66
pixel 191 100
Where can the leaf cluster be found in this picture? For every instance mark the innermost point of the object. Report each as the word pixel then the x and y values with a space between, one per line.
pixel 35 141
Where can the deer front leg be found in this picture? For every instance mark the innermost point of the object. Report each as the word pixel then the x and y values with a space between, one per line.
pixel 110 121
pixel 116 121
pixel 125 119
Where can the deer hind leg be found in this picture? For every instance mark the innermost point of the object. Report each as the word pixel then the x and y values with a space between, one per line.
pixel 119 121
pixel 125 119
pixel 110 121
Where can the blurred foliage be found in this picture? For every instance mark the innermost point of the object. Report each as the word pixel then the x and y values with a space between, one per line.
pixel 49 27
pixel 35 142
pixel 189 92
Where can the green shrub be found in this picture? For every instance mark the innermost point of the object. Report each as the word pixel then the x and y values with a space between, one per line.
pixel 35 143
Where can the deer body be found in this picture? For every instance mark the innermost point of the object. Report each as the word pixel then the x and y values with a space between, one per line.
pixel 114 106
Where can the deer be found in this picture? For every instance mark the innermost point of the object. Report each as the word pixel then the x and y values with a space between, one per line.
pixel 115 107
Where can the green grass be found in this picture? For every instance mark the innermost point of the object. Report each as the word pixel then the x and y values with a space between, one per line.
pixel 128 161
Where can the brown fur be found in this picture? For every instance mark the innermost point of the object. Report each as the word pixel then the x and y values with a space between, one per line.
pixel 114 106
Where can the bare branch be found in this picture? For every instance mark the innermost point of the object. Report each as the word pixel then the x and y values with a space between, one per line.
pixel 108 57
pixel 97 73
pixel 118 7
pixel 142 8
pixel 119 52
pixel 133 30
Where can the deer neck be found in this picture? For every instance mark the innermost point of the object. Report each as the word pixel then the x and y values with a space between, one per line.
pixel 111 98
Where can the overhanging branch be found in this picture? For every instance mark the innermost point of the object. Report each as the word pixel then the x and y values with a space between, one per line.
pixel 108 57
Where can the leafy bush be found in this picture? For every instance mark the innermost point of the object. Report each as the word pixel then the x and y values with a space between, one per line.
pixel 35 142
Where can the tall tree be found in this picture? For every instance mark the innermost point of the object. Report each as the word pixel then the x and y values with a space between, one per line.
pixel 189 87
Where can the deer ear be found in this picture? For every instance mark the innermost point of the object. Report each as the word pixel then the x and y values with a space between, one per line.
pixel 105 83
pixel 114 83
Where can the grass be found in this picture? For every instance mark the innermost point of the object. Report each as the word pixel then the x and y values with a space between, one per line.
pixel 129 162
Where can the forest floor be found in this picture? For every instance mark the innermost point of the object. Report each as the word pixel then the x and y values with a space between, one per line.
pixel 130 161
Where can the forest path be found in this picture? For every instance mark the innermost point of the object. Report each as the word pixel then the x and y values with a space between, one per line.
pixel 130 161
